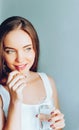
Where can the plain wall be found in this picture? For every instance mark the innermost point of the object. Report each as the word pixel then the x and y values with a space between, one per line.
pixel 57 24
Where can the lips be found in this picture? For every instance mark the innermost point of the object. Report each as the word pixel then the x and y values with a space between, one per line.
pixel 20 67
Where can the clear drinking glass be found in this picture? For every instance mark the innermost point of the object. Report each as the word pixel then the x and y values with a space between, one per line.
pixel 45 109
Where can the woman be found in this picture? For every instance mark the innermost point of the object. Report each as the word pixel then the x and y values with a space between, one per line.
pixel 23 89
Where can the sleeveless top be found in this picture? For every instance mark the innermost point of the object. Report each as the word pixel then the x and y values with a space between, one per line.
pixel 29 112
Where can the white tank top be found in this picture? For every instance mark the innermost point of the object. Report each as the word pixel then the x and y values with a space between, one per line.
pixel 29 112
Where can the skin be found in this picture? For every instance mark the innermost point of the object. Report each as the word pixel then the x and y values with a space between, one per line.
pixel 2 120
pixel 18 51
pixel 22 84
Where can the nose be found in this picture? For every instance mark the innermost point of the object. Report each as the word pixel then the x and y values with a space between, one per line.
pixel 20 57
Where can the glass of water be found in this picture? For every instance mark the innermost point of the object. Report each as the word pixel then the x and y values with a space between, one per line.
pixel 45 109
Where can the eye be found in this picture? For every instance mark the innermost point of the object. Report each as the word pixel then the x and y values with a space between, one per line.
pixel 28 49
pixel 9 51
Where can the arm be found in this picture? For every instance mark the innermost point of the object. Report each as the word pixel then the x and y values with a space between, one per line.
pixel 14 117
pixel 2 117
pixel 15 84
pixel 56 117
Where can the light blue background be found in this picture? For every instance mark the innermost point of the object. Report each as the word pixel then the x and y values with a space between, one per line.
pixel 57 24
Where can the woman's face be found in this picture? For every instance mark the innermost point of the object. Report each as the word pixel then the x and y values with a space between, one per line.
pixel 18 51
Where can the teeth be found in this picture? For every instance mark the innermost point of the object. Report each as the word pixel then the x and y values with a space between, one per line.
pixel 21 66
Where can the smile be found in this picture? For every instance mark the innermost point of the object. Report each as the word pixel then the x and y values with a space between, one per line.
pixel 20 67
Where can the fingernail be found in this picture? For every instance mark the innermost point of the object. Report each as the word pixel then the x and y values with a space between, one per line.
pixel 49 120
pixel 51 125
pixel 52 112
pixel 37 115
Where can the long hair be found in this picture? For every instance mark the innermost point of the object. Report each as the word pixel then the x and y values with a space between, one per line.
pixel 11 24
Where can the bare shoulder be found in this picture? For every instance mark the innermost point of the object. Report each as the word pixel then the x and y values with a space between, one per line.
pixel 55 93
pixel 52 82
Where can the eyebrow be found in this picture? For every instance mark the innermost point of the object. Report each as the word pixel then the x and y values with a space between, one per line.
pixel 6 47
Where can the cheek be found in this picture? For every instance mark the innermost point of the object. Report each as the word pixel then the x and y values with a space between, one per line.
pixel 8 59
pixel 32 56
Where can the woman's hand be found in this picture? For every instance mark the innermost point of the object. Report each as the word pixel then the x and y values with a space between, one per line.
pixel 56 119
pixel 15 83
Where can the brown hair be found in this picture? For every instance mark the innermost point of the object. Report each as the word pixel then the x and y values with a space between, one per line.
pixel 13 23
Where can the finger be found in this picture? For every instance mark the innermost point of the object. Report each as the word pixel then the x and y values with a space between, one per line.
pixel 55 112
pixel 20 88
pixel 15 80
pixel 43 117
pixel 13 73
pixel 57 118
pixel 58 125
pixel 19 83
pixel 1 102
